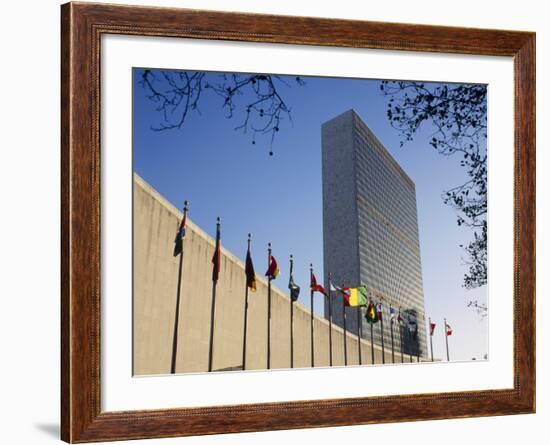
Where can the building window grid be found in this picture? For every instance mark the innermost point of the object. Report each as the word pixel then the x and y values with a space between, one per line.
pixel 397 207
pixel 404 252
pixel 373 259
pixel 397 193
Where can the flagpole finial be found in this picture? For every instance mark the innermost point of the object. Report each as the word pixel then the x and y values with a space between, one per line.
pixel 291 257
pixel 185 205
pixel 218 220
pixel 249 237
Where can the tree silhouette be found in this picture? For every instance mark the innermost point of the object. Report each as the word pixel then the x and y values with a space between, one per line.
pixel 480 308
pixel 458 116
pixel 255 98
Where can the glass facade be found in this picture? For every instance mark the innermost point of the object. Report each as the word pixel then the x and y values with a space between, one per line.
pixel 387 255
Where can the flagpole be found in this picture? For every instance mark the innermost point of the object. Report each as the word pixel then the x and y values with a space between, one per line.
pixel 291 318
pixel 345 329
pixel 382 335
pixel 330 317
pixel 401 336
pixel 446 338
pixel 213 305
pixel 392 341
pixel 372 343
pixel 410 335
pixel 178 297
pixel 359 332
pixel 245 310
pixel 268 308
pixel 410 349
pixel 431 342
pixel 311 317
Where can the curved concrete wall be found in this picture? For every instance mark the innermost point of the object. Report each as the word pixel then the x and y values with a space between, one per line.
pixel 154 302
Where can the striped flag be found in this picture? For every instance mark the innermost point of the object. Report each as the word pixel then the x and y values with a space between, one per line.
pixel 273 269
pixel 357 296
pixel 250 274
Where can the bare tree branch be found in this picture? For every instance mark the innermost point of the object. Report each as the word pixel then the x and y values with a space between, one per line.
pixel 257 96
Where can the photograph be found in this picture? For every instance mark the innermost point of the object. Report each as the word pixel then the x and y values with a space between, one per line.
pixel 286 221
pixel 274 222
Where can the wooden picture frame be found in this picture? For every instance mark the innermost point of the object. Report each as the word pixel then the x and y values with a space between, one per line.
pixel 82 26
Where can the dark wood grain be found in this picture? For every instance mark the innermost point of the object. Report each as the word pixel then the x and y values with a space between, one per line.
pixel 82 27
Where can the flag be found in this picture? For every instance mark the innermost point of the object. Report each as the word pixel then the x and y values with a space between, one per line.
pixel 448 329
pixel 316 287
pixel 371 314
pixel 216 257
pixel 334 288
pixel 273 269
pixel 413 327
pixel 180 234
pixel 399 318
pixel 250 274
pixel 379 308
pixel 345 294
pixel 432 328
pixel 357 296
pixel 293 288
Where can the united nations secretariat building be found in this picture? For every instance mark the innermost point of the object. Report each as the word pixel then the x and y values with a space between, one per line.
pixel 370 231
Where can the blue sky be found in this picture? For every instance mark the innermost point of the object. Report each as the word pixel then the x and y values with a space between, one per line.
pixel 279 198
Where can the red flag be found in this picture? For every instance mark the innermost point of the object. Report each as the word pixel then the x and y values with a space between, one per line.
pixel 432 328
pixel 399 319
pixel 379 310
pixel 273 269
pixel 316 287
pixel 448 330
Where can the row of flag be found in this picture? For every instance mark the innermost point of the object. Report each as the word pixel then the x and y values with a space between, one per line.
pixel 357 297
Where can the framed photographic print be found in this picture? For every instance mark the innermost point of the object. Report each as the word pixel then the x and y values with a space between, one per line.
pixel 278 222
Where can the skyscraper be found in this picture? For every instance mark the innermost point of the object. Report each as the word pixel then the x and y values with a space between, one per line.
pixel 370 230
